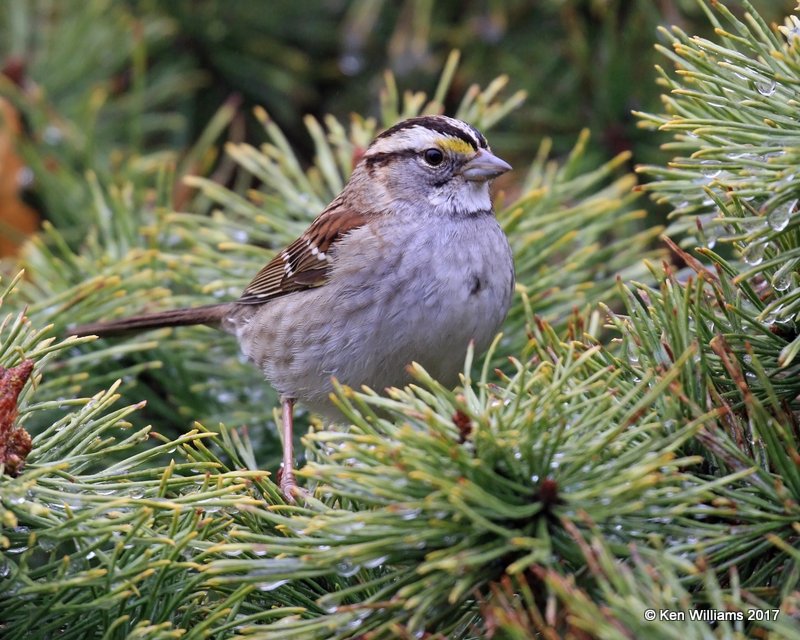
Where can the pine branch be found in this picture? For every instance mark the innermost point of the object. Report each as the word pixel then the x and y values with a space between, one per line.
pixel 593 480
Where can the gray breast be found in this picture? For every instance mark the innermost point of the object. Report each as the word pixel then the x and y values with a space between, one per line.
pixel 394 297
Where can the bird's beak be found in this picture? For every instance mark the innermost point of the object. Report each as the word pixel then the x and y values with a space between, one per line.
pixel 484 166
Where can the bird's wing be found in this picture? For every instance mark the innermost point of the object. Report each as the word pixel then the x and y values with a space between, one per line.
pixel 306 262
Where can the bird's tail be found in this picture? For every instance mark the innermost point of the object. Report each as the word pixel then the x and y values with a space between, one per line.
pixel 212 314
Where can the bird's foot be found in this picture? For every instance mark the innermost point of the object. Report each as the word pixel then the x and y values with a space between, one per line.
pixel 289 488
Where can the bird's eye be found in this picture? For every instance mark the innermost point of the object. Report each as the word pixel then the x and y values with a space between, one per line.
pixel 433 157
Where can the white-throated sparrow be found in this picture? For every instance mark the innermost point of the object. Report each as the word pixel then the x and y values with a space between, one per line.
pixel 407 264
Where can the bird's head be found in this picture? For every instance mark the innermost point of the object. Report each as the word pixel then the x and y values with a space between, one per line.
pixel 432 163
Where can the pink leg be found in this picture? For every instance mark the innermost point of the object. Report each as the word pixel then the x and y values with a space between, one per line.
pixel 288 483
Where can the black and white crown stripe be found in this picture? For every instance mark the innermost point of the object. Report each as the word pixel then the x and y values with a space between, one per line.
pixel 422 132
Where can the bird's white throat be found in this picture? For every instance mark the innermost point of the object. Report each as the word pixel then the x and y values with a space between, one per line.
pixel 469 198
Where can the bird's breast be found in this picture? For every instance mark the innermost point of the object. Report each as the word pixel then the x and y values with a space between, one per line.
pixel 397 294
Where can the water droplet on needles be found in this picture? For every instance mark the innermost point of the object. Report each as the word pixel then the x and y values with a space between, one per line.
pixel 347 569
pixel 771 318
pixel 766 87
pixel 774 315
pixel 781 282
pixel 376 562
pixel 778 218
pixel 708 170
pixel 270 586
pixel 753 253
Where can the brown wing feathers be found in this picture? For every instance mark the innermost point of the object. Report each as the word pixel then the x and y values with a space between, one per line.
pixel 304 263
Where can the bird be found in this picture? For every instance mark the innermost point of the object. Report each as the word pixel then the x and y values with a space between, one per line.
pixel 407 264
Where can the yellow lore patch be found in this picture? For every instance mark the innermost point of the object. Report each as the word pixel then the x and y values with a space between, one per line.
pixel 456 146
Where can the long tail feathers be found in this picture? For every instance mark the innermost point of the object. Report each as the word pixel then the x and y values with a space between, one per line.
pixel 212 314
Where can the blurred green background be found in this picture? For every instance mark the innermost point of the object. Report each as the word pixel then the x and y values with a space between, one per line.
pixel 131 84
pixel 583 63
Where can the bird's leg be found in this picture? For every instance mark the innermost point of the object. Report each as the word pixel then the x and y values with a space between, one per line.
pixel 288 483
